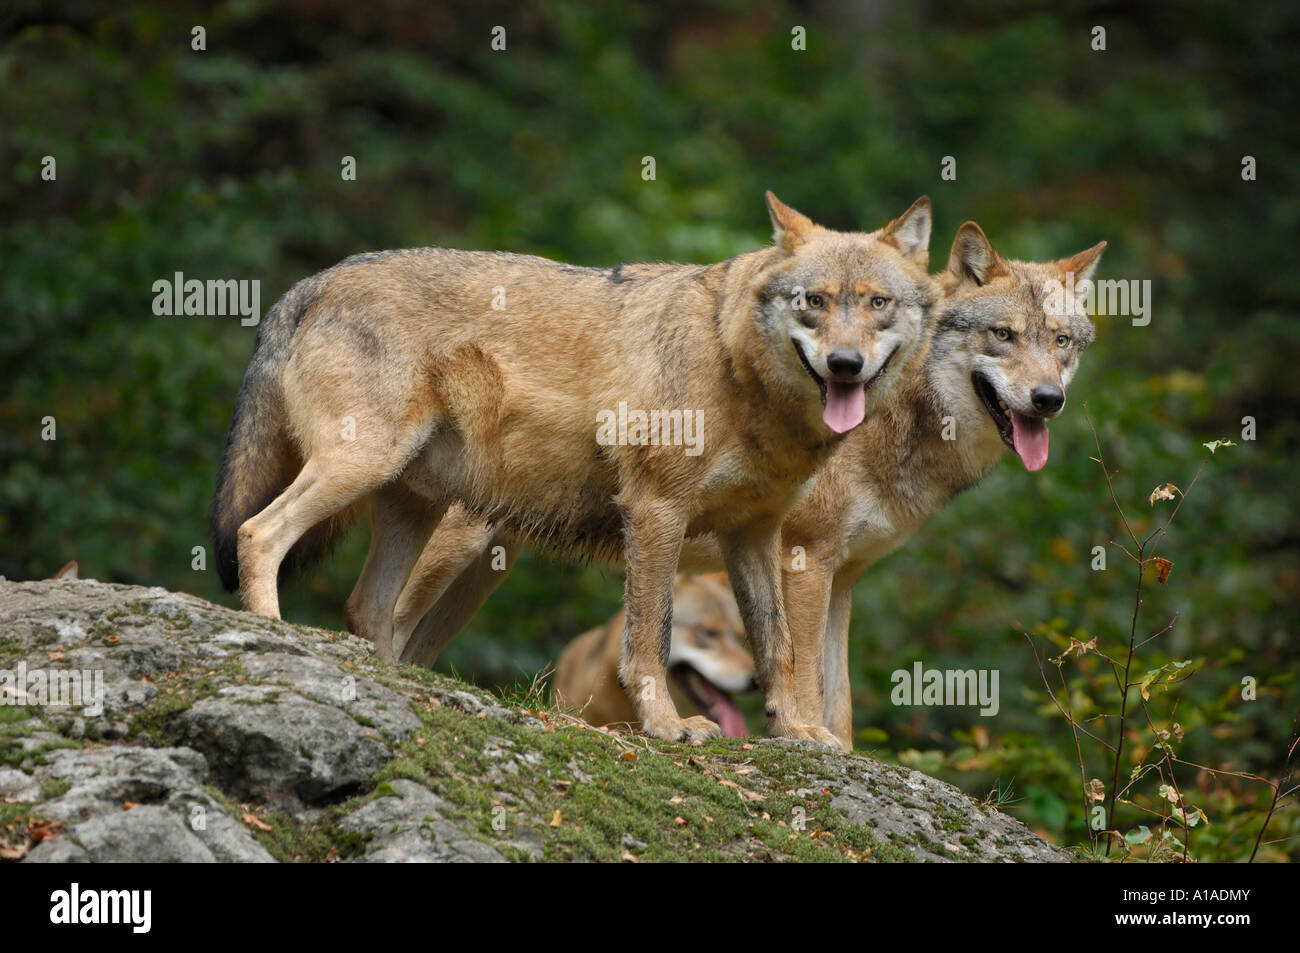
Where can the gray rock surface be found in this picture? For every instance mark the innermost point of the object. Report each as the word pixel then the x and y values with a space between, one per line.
pixel 408 827
pixel 229 737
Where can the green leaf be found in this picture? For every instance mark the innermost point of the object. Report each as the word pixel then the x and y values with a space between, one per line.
pixel 1139 836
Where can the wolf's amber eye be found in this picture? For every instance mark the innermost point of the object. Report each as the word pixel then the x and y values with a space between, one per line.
pixel 1063 340
pixel 1002 334
pixel 879 301
pixel 815 301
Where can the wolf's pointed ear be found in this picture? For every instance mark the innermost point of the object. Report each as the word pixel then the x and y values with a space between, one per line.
pixel 910 232
pixel 1083 264
pixel 790 229
pixel 972 257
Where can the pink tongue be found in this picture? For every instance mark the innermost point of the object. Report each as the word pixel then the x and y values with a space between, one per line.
pixel 1029 437
pixel 725 713
pixel 846 405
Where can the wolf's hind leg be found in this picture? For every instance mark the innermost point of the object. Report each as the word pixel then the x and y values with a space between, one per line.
pixel 433 616
pixel 401 523
pixel 323 487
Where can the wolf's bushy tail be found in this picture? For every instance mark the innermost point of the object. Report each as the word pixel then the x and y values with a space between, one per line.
pixel 260 458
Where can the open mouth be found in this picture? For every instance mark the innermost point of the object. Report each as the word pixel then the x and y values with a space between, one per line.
pixel 1023 433
pixel 995 405
pixel 844 403
pixel 709 699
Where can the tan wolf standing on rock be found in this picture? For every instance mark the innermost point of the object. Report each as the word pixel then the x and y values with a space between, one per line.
pixel 992 371
pixel 707 662
pixel 420 378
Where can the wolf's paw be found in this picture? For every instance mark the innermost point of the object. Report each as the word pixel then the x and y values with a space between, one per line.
pixel 693 731
pixel 698 729
pixel 814 733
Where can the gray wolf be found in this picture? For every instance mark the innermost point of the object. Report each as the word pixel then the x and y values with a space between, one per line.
pixel 707 662
pixel 991 372
pixel 414 380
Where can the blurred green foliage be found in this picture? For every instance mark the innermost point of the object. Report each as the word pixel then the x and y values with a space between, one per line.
pixel 226 164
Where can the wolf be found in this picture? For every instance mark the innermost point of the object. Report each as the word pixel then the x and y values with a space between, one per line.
pixel 707 662
pixel 413 380
pixel 991 371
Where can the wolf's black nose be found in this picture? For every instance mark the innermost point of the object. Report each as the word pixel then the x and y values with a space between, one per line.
pixel 846 363
pixel 1047 398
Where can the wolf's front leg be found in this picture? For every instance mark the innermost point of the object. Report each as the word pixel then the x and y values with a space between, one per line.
pixel 754 567
pixel 807 592
pixel 837 713
pixel 653 533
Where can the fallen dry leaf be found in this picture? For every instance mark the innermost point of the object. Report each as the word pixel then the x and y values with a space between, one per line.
pixel 1163 568
pixel 42 831
pixel 256 821
pixel 628 756
pixel 630 857
pixel 557 819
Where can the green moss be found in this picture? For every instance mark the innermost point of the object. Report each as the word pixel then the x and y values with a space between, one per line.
pixel 46 635
pixel 15 725
pixel 16 821
pixel 54 787
pixel 950 820
pixel 177 692
pixel 291 841
pixel 680 802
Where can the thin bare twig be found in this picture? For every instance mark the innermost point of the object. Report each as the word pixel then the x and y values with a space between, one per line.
pixel 1284 774
pixel 1097 441
pixel 1173 782
pixel 1068 712
pixel 1141 559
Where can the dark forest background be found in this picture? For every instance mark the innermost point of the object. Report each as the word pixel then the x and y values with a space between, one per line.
pixel 225 163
